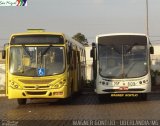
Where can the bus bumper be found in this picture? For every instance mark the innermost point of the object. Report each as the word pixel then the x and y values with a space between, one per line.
pixel 50 93
pixel 137 89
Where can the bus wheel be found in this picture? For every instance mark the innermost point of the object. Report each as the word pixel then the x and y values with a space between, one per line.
pixel 102 98
pixel 144 96
pixel 22 101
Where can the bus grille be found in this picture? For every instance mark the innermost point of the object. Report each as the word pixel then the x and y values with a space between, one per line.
pixel 36 93
pixel 35 88
pixel 36 81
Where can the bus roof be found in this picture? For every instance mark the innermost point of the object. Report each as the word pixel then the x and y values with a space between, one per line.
pixel 38 33
pixel 115 34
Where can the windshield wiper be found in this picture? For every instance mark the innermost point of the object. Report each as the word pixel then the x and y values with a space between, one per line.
pixel 26 50
pixel 46 50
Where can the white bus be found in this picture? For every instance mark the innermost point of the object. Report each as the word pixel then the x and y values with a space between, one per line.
pixel 121 65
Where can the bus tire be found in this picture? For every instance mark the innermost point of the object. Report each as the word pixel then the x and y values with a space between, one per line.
pixel 144 96
pixel 101 97
pixel 22 101
pixel 67 100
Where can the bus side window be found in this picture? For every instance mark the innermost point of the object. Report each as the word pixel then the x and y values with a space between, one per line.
pixel 74 60
pixel 69 54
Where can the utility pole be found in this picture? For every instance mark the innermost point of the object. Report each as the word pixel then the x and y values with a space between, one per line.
pixel 147 27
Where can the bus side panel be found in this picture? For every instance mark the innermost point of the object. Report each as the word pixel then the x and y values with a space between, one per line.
pixel 75 76
pixel 6 72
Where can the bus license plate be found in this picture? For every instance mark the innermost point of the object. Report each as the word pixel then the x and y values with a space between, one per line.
pixel 123 88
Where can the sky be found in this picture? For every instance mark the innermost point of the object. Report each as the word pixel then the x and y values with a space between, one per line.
pixel 89 17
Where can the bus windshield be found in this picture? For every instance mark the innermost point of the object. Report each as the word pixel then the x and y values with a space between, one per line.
pixel 27 61
pixel 123 56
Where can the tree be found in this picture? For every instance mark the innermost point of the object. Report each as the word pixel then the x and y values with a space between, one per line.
pixel 80 38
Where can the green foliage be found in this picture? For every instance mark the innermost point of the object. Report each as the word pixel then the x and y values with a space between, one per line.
pixel 80 38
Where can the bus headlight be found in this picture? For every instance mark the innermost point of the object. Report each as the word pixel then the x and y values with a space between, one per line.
pixel 143 82
pixel 104 83
pixel 58 84
pixel 14 85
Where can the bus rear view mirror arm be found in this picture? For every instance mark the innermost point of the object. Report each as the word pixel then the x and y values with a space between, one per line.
pixel 151 50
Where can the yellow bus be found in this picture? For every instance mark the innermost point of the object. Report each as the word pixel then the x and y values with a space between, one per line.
pixel 43 64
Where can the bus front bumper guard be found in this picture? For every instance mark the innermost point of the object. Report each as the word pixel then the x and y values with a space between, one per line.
pixel 52 93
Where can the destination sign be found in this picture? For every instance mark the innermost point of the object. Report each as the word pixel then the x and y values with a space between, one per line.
pixel 37 39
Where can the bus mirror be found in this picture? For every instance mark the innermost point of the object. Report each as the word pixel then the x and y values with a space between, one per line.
pixel 151 50
pixel 3 54
pixel 91 53
pixel 93 44
pixel 26 61
pixel 92 50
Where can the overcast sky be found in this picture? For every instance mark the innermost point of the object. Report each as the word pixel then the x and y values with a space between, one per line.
pixel 90 17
